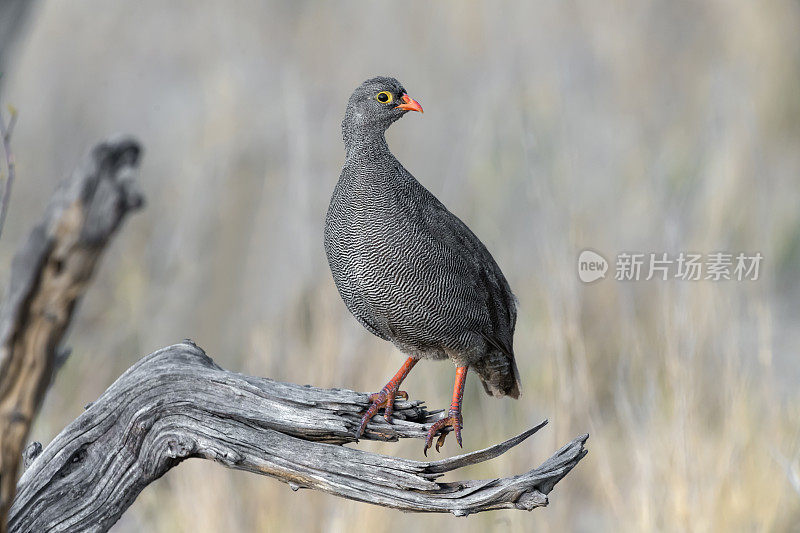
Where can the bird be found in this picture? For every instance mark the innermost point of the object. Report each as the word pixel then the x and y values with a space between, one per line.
pixel 410 271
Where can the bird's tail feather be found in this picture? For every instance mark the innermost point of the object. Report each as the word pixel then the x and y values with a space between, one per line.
pixel 498 373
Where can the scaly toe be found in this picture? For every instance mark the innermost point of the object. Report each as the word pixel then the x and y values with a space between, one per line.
pixel 365 419
pixel 380 400
pixel 452 421
pixel 440 441
pixel 389 404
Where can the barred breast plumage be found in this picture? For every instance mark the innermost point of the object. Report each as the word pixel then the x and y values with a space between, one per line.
pixel 409 270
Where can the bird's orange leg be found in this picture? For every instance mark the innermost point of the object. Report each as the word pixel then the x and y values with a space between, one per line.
pixel 385 398
pixel 453 419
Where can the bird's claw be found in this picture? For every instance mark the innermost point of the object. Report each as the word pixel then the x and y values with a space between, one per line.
pixel 452 421
pixel 387 402
pixel 381 400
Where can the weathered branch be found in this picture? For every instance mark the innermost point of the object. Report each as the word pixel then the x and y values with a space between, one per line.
pixel 176 403
pixel 8 183
pixel 49 274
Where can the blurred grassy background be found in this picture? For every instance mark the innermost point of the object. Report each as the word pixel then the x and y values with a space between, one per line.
pixel 549 127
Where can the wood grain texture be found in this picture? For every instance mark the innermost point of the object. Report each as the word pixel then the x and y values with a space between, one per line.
pixel 49 274
pixel 177 403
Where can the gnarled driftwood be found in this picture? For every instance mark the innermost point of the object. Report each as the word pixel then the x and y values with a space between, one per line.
pixel 177 403
pixel 49 274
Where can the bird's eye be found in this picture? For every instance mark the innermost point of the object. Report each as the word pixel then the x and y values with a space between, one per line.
pixel 384 97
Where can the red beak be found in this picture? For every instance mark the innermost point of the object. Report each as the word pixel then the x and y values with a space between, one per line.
pixel 409 104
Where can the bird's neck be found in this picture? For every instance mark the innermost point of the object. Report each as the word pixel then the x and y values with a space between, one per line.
pixel 364 143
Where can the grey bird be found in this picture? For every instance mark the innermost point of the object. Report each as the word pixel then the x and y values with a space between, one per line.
pixel 409 270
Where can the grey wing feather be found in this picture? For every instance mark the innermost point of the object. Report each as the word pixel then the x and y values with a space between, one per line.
pixel 501 303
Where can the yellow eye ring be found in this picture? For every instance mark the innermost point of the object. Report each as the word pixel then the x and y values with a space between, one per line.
pixel 384 97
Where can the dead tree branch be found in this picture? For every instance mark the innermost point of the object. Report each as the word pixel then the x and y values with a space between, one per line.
pixel 49 274
pixel 177 403
pixel 5 135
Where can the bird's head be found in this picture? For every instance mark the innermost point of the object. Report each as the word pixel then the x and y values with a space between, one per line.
pixel 376 103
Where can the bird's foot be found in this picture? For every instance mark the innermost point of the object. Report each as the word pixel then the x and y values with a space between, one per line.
pixel 452 421
pixel 381 400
